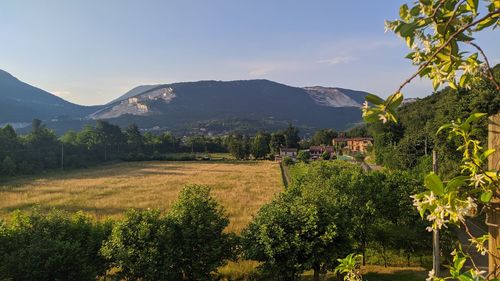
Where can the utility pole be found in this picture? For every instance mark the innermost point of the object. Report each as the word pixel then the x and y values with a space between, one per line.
pixel 62 155
pixel 435 232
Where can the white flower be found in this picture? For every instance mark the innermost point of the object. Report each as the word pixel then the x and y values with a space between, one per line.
pixel 477 179
pixel 430 276
pixel 382 118
pixel 365 105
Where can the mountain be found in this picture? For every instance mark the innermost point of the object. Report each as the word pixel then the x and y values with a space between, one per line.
pixel 135 91
pixel 206 107
pixel 232 105
pixel 21 102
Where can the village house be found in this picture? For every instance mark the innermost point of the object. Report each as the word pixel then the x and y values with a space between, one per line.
pixel 353 144
pixel 317 151
pixel 286 152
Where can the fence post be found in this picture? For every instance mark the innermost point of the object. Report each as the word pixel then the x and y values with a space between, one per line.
pixel 436 252
pixel 493 216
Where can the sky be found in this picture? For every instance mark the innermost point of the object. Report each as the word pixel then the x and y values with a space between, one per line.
pixel 90 52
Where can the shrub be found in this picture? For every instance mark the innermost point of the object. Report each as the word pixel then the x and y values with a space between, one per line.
pixel 52 247
pixel 325 155
pixel 287 161
pixel 303 156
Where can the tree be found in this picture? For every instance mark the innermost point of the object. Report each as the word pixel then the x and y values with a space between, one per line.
pixel 109 135
pixel 238 146
pixel 143 246
pixel 277 141
pixel 300 230
pixel 323 137
pixel 8 166
pixel 201 242
pixel 134 138
pixel 260 145
pixel 291 137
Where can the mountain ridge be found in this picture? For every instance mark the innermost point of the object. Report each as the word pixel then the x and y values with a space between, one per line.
pixel 185 106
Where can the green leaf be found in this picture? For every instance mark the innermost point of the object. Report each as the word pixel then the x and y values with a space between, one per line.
pixel 486 23
pixel 434 183
pixel 455 182
pixel 445 126
pixel 374 99
pixel 407 29
pixel 473 5
pixel 403 11
pixel 473 117
pixel 371 116
pixel 486 196
pixel 394 100
pixel 488 153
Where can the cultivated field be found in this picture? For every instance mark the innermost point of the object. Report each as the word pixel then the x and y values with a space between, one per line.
pixel 109 190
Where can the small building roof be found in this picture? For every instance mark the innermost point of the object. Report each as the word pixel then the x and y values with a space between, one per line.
pixel 285 149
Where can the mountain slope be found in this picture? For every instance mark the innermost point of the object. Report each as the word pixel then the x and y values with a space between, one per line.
pixel 21 102
pixel 196 104
pixel 133 92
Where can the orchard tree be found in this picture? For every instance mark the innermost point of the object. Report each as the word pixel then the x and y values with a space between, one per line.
pixel 295 233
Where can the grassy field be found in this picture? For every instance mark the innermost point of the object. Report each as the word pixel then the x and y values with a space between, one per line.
pixel 109 190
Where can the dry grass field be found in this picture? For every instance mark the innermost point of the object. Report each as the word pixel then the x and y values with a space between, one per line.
pixel 109 190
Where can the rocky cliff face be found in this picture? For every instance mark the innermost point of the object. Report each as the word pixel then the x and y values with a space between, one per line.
pixel 136 105
pixel 331 97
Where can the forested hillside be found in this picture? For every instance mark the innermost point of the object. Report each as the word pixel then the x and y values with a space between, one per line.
pixel 409 143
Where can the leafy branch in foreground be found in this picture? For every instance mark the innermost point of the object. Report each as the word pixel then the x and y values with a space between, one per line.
pixel 437 32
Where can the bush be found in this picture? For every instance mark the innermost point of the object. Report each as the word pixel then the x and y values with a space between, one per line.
pixel 287 161
pixel 303 156
pixel 359 157
pixel 52 247
pixel 325 155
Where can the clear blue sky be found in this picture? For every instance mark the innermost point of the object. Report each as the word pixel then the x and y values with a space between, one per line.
pixel 90 52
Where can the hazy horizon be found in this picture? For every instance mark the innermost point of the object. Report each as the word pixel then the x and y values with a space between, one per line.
pixel 92 52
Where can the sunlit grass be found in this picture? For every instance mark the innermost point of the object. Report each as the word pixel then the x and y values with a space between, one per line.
pixel 109 190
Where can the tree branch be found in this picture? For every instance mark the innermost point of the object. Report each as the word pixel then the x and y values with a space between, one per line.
pixel 488 66
pixel 423 66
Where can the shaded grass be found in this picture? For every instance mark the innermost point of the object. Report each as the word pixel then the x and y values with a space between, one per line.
pixel 108 190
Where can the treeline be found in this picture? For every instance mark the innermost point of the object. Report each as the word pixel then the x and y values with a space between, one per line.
pixel 330 209
pixel 409 143
pixel 41 149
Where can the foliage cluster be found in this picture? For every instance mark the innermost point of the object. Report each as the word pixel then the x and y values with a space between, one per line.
pixel 188 243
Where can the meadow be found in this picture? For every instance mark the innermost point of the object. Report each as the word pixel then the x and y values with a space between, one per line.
pixel 109 190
